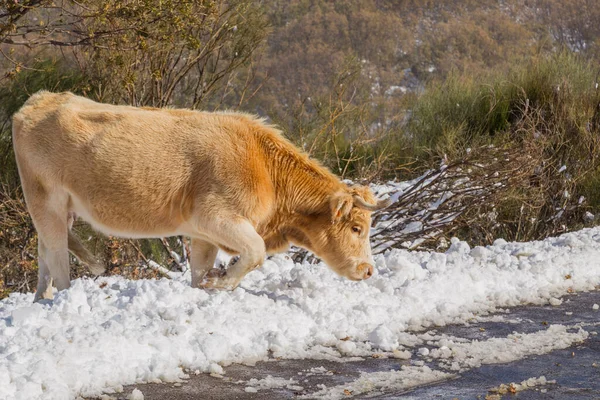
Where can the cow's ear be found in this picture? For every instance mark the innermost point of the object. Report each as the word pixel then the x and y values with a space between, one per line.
pixel 341 205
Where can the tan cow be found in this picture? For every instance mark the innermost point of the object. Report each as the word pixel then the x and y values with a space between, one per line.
pixel 227 180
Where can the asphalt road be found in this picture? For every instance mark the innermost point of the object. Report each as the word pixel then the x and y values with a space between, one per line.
pixel 576 369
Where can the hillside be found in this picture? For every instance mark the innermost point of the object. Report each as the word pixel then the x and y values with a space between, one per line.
pixel 401 45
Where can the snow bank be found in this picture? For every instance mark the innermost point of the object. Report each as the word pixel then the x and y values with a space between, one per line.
pixel 101 334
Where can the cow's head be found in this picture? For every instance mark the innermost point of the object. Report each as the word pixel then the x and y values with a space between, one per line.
pixel 340 233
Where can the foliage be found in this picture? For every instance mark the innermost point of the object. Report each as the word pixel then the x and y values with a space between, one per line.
pixel 546 113
pixel 468 109
pixel 146 52
pixel 406 43
pixel 337 128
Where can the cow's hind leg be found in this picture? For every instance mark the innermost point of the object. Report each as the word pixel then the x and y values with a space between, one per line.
pixel 202 259
pixel 53 254
pixel 240 236
pixel 48 209
pixel 44 285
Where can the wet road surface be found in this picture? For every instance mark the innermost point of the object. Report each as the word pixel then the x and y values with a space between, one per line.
pixel 576 370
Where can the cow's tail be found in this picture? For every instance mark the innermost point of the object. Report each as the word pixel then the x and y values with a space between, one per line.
pixel 84 255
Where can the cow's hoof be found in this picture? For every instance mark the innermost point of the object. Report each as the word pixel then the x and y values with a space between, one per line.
pixel 217 278
pixel 216 273
pixel 42 296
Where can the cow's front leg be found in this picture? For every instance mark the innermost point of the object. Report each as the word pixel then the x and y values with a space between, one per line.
pixel 202 260
pixel 243 239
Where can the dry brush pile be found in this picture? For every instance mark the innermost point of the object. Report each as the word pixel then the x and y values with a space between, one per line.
pixel 536 174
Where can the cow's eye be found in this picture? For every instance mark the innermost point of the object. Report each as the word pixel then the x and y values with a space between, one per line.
pixel 356 229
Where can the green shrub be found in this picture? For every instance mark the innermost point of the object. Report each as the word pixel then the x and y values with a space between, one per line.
pixel 465 110
pixel 550 108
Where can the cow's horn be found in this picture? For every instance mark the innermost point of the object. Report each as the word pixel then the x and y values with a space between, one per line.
pixel 360 203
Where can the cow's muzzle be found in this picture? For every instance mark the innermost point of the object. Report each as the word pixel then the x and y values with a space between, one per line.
pixel 364 271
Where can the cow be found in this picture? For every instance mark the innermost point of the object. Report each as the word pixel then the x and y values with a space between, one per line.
pixel 227 180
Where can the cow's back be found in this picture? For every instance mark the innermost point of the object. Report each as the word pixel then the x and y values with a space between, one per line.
pixel 140 172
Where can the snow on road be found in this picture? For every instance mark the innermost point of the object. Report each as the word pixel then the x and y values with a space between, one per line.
pixel 102 334
pixel 368 382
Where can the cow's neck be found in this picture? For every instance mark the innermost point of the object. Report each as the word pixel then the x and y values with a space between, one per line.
pixel 301 185
pixel 299 196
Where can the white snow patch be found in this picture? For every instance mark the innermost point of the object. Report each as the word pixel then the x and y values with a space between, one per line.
pixel 215 369
pixel 402 354
pixel 424 351
pixel 588 216
pixel 406 378
pixel 555 302
pixel 136 394
pixel 394 89
pixel 316 371
pixel 383 338
pixel 458 356
pixel 346 347
pixel 270 382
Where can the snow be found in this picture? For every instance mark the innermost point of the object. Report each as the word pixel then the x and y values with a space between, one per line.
pixel 459 356
pixel 555 302
pixel 316 371
pixel 346 347
pixel 215 369
pixel 136 394
pixel 369 382
pixel 382 337
pixel 392 90
pixel 254 385
pixel 102 334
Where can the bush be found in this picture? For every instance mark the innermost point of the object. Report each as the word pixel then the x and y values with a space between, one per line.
pixel 466 110
pixel 549 111
pixel 339 129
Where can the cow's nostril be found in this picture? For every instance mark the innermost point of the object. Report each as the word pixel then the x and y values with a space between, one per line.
pixel 368 271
